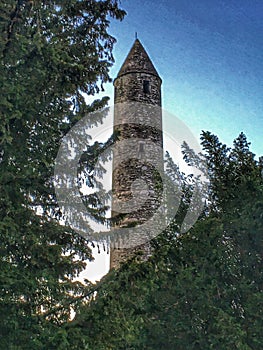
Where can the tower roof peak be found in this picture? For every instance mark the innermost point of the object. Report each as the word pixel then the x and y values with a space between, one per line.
pixel 137 61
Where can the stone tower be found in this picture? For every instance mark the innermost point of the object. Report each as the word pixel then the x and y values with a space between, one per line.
pixel 137 119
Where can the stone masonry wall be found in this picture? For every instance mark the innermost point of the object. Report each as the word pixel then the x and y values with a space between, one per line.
pixel 138 153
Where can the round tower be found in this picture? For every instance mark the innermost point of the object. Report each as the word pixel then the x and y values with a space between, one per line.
pixel 138 127
pixel 137 79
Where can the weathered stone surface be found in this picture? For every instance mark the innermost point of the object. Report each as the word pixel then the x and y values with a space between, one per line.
pixel 142 156
pixel 137 61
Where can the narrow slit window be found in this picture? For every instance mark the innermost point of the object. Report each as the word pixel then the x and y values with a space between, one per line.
pixel 146 86
pixel 141 149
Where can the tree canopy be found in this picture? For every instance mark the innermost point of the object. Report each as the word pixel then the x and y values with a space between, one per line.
pixel 201 289
pixel 51 53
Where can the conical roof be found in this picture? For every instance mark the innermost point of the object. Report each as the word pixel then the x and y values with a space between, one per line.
pixel 137 61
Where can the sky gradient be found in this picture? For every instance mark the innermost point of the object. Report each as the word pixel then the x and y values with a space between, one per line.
pixel 210 58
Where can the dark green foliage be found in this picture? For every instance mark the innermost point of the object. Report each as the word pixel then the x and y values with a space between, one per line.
pixel 199 290
pixel 51 52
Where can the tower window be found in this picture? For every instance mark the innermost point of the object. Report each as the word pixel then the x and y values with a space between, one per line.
pixel 141 149
pixel 146 86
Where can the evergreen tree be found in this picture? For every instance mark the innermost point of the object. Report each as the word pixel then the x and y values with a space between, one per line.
pixel 199 290
pixel 51 53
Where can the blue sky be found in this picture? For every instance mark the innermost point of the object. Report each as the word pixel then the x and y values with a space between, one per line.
pixel 209 56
